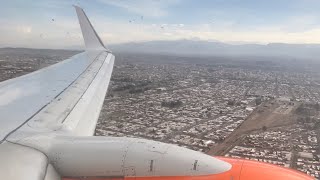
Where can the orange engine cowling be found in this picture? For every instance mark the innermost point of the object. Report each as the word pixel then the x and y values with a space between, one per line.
pixel 243 169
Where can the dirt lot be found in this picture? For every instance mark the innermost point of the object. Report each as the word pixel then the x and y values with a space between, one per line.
pixel 272 113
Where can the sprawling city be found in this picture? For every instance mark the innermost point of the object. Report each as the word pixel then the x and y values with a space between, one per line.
pixel 259 109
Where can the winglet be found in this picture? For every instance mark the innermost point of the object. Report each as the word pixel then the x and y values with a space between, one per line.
pixel 91 39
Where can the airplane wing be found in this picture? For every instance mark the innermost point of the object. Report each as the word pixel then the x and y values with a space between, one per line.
pixel 63 98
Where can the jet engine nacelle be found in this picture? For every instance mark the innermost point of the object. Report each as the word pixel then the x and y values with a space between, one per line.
pixel 123 157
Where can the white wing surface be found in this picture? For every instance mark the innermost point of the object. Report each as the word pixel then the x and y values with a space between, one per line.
pixel 64 98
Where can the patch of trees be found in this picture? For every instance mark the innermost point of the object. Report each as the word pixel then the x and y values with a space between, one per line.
pixel 171 104
pixel 308 109
pixel 231 102
pixel 138 90
pixel 137 87
pixel 123 79
pixel 258 101
pixel 307 119
pixel 310 122
pixel 143 83
pixel 264 128
pixel 123 88
pixel 317 125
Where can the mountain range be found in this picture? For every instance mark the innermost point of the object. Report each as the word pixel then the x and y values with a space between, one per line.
pixel 208 48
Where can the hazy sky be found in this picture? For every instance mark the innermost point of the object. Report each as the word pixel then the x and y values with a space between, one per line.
pixel 53 23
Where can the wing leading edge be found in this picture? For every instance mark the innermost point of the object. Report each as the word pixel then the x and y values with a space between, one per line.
pixel 65 98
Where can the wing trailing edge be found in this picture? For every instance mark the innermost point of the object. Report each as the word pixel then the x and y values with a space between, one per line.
pixel 91 39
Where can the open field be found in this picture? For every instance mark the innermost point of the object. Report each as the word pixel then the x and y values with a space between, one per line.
pixel 270 114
